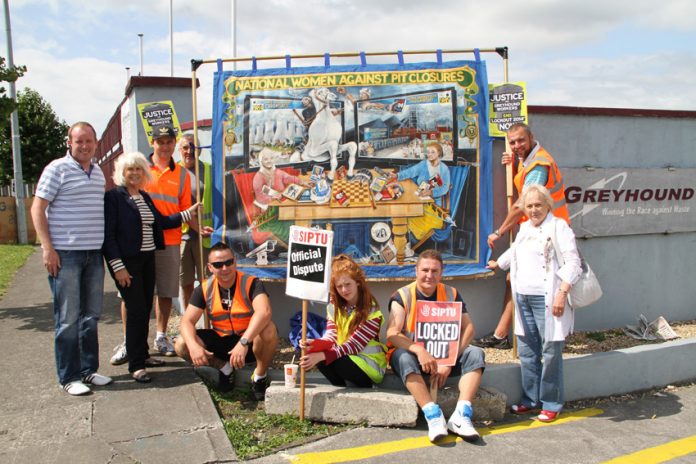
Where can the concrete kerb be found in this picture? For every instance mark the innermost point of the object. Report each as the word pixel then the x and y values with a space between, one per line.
pixel 588 376
pixel 609 373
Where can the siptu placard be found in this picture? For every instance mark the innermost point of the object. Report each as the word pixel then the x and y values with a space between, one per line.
pixel 438 329
pixel 309 263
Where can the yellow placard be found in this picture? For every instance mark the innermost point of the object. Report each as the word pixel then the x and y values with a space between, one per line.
pixel 507 105
pixel 154 114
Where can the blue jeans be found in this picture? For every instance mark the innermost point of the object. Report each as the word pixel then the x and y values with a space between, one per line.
pixel 78 290
pixel 405 363
pixel 542 383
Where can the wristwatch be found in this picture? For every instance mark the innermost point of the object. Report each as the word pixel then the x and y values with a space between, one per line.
pixel 244 341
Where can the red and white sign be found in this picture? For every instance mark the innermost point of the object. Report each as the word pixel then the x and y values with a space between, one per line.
pixel 438 329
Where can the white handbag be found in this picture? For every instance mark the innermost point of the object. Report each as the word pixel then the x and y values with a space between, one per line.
pixel 587 289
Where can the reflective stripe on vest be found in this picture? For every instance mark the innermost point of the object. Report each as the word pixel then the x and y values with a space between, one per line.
pixel 554 183
pixel 163 197
pixel 171 198
pixel 241 310
pixel 371 359
pixel 408 296
pixel 206 214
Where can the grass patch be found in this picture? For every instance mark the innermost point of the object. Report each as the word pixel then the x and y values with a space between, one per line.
pixel 11 258
pixel 253 433
pixel 596 336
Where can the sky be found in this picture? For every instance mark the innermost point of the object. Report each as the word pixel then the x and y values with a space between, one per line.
pixel 590 53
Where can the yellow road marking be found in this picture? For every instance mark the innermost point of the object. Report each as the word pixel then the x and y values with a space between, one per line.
pixel 661 453
pixel 380 449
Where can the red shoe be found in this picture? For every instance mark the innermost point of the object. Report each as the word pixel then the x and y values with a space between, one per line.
pixel 522 409
pixel 547 416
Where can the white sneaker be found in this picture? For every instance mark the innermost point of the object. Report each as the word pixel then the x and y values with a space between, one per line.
pixel 97 379
pixel 436 427
pixel 76 388
pixel 164 346
pixel 120 355
pixel 462 426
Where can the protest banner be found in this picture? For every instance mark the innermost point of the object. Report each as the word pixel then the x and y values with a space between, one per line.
pixel 156 114
pixel 507 106
pixel 308 276
pixel 348 146
pixel 309 263
pixel 438 329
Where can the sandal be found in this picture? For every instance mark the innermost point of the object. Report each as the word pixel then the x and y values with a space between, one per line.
pixel 547 416
pixel 141 376
pixel 523 409
pixel 154 362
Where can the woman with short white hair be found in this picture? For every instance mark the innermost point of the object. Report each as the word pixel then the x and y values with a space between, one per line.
pixel 133 231
pixel 540 281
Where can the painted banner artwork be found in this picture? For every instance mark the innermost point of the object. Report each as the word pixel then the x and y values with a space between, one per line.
pixel 394 159
pixel 437 329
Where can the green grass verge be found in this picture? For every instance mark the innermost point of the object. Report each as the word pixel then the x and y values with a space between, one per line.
pixel 253 433
pixel 11 258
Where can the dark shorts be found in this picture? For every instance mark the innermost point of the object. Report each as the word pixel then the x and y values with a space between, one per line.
pixel 221 346
pixel 404 363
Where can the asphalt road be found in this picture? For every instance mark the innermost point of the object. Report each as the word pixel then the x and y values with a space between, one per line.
pixel 649 428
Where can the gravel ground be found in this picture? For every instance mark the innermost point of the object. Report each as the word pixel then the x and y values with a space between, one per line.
pixel 578 343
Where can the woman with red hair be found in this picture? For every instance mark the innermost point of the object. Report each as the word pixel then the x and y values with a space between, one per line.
pixel 350 350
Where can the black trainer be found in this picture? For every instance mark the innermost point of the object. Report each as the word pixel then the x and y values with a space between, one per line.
pixel 214 378
pixel 491 341
pixel 258 389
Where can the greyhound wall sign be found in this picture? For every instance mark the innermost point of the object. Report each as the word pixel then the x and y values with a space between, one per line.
pixel 394 159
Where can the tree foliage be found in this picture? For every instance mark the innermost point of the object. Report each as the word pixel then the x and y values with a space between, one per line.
pixel 7 106
pixel 42 135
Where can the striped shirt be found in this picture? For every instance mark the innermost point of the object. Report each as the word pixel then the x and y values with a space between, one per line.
pixel 75 213
pixel 357 342
pixel 147 219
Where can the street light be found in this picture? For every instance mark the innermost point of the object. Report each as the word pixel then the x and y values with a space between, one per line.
pixel 140 38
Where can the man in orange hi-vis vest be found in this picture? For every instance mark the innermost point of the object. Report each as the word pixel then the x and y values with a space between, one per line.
pixel 411 361
pixel 534 166
pixel 239 311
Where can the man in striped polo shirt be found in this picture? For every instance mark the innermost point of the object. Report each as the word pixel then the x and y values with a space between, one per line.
pixel 68 214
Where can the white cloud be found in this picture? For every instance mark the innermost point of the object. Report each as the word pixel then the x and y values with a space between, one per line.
pixel 78 89
pixel 659 81
pixel 76 51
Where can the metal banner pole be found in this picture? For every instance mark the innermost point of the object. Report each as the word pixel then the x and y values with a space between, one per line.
pixel 509 193
pixel 194 101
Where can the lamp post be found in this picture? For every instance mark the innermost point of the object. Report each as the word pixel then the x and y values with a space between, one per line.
pixel 140 39
pixel 16 147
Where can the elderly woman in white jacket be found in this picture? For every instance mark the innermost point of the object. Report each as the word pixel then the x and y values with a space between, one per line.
pixel 540 283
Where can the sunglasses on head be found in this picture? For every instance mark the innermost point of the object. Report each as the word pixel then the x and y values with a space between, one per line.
pixel 219 264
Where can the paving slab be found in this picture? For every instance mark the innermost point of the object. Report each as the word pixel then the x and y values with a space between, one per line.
pixel 172 419
pixel 328 403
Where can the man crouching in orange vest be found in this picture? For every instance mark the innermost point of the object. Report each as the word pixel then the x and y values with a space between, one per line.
pixel 239 311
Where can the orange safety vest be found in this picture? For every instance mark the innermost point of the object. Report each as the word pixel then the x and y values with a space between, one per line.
pixel 170 191
pixel 408 297
pixel 236 319
pixel 554 184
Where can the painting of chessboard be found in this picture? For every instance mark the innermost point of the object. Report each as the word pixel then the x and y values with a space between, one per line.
pixel 358 192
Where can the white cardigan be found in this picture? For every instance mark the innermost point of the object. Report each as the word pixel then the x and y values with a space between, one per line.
pixel 557 328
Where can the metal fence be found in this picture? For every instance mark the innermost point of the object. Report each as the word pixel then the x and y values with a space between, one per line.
pixel 9 191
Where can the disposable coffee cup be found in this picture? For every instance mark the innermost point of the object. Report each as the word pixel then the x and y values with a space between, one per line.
pixel 290 375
